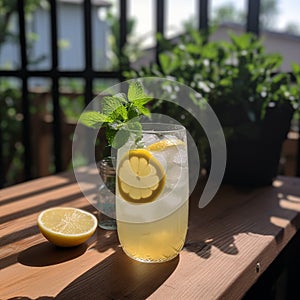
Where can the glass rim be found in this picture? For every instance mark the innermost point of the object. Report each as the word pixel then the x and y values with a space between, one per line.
pixel 160 128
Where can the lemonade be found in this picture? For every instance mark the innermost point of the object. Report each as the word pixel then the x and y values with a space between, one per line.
pixel 152 194
pixel 156 241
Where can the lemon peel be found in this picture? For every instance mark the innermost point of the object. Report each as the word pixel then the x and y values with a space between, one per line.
pixel 66 226
pixel 164 144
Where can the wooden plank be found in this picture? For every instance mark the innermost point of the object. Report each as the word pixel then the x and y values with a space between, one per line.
pixel 226 241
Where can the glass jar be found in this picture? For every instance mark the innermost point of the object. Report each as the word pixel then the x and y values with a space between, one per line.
pixel 107 190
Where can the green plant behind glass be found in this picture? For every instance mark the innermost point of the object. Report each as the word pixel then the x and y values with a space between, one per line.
pixel 237 78
pixel 235 74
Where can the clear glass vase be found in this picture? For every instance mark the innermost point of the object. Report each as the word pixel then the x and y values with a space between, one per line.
pixel 106 200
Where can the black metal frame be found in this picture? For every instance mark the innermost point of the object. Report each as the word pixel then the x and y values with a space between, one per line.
pixel 88 74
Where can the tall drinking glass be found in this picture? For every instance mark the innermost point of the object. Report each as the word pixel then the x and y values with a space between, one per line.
pixel 152 193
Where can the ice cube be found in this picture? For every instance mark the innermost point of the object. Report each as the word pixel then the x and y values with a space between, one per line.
pixel 149 139
pixel 180 157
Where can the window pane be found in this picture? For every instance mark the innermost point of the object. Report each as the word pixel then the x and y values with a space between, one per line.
pixel 280 16
pixel 10 48
pixel 141 13
pixel 70 36
pixel 39 40
pixel 228 13
pixel 280 28
pixel 227 16
pixel 180 14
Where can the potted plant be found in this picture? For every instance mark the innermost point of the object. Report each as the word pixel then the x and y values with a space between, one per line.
pixel 239 80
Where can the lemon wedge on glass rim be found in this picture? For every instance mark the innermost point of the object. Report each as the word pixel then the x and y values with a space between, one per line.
pixel 164 144
pixel 141 177
pixel 66 226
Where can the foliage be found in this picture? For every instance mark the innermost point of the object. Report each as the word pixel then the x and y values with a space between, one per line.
pixel 237 78
pixel 120 114
pixel 10 128
pixel 228 12
pixel 7 9
pixel 10 94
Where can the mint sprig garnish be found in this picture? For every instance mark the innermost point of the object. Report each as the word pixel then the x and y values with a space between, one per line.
pixel 120 114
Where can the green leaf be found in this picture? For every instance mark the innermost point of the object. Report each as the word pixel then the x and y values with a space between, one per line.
pixel 113 107
pixel 122 97
pixel 110 134
pixel 143 110
pixel 135 91
pixel 119 114
pixel 296 72
pixel 132 112
pixel 120 138
pixel 165 60
pixel 134 125
pixel 110 104
pixel 93 119
pixel 122 112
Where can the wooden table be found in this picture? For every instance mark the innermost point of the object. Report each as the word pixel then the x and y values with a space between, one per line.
pixel 230 243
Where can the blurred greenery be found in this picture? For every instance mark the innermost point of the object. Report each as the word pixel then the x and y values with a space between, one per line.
pixel 217 70
pixel 237 78
pixel 10 93
pixel 269 10
pixel 11 129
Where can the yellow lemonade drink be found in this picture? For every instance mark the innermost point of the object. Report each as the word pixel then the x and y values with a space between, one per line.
pixel 152 194
pixel 155 241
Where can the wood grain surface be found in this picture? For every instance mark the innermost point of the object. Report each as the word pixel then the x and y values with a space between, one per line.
pixel 238 231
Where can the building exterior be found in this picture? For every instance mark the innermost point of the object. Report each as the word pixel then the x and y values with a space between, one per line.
pixel 70 22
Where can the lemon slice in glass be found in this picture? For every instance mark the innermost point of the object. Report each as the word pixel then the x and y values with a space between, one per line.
pixel 66 226
pixel 164 144
pixel 141 177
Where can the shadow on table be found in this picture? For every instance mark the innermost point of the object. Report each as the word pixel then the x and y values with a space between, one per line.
pixel 46 254
pixel 120 277
pixel 236 210
pixel 26 298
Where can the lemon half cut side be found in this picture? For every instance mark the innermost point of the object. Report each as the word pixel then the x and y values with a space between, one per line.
pixel 66 226
pixel 141 177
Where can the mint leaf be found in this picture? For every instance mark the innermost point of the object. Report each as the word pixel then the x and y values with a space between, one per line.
pixel 120 138
pixel 143 110
pixel 113 107
pixel 136 93
pixel 120 115
pixel 121 111
pixel 135 90
pixel 142 101
pixel 134 125
pixel 122 97
pixel 93 119
pixel 110 134
pixel 110 104
pixel 133 112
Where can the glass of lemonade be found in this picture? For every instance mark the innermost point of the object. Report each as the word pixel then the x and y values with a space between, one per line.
pixel 152 193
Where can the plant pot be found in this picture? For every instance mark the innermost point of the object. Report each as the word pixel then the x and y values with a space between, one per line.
pixel 255 161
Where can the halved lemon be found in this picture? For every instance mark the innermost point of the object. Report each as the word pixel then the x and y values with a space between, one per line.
pixel 66 226
pixel 141 177
pixel 164 144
